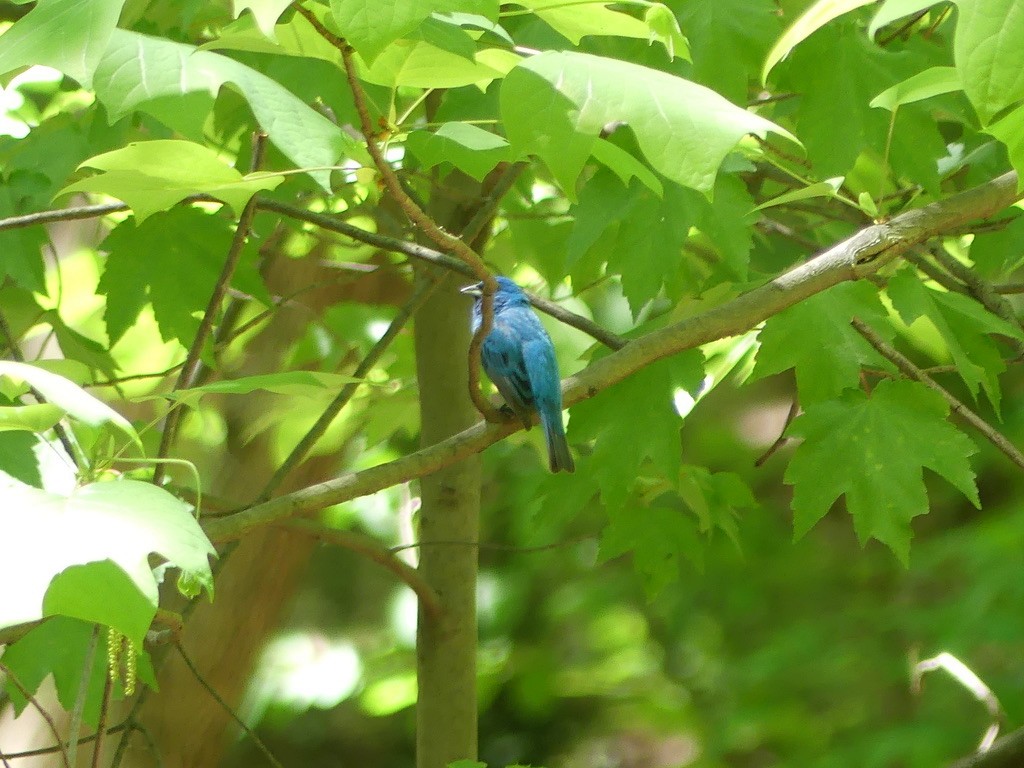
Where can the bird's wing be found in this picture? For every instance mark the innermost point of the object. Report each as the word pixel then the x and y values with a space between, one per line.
pixel 502 357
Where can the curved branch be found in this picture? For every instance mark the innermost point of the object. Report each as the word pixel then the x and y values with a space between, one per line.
pixel 368 547
pixel 860 255
pixel 1007 752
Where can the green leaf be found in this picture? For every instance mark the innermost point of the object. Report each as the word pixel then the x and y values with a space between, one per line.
pixel 964 326
pixel 663 27
pixel 892 10
pixel 297 383
pixel 809 22
pixel 836 72
pixel 467 147
pixel 658 537
pixel 988 53
pixel 932 82
pixel 1010 131
pixel 827 188
pixel 371 27
pixel 21 249
pixel 625 166
pixel 101 592
pixel 728 223
pixel 816 339
pixel 873 450
pixel 716 499
pixel 37 417
pixel 639 405
pixel 138 69
pixel 729 40
pixel 574 22
pixel 419 64
pixel 441 32
pixel 152 176
pixel 59 646
pixel 69 397
pixel 68 35
pixel 172 260
pixel 124 521
pixel 265 12
pixel 556 104
pixel 997 254
pixel 648 246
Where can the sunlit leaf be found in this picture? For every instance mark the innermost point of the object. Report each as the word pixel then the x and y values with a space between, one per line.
pixel 152 176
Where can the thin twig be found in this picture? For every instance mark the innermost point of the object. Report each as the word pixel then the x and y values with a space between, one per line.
pixel 58 747
pixel 27 694
pixel 368 547
pixel 108 686
pixel 794 409
pixel 191 366
pixel 299 452
pixel 61 214
pixel 445 241
pixel 903 28
pixel 75 726
pixel 911 370
pixel 224 705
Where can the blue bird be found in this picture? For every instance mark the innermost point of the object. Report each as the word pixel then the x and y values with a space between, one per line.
pixel 519 358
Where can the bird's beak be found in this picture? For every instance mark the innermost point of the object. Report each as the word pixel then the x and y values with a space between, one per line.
pixel 476 289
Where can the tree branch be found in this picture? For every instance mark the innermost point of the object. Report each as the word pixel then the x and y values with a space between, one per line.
pixel 859 256
pixel 370 548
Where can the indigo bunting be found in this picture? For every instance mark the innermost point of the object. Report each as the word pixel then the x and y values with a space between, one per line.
pixel 519 358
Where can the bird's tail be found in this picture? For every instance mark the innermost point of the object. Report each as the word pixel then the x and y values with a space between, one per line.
pixel 559 457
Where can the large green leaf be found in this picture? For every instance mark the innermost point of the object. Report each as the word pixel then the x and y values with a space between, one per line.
pixel 68 35
pixel 556 104
pixel 152 176
pixel 59 647
pixel 470 149
pixel 989 54
pixel 60 550
pixel 137 69
pixel 873 450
